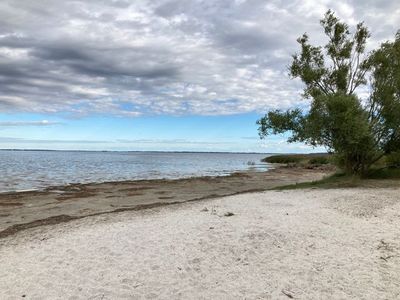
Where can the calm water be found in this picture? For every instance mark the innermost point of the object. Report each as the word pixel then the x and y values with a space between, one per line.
pixel 24 170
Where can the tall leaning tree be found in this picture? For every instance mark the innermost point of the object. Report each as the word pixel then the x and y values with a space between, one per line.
pixel 358 131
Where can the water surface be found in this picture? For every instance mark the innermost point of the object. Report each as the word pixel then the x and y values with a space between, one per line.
pixel 25 170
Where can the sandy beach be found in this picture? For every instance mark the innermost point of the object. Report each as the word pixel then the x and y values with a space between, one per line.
pixel 199 150
pixel 22 210
pixel 302 244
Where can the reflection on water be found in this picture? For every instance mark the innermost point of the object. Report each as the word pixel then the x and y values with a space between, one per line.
pixel 21 170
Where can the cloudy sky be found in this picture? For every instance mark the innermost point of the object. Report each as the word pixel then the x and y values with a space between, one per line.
pixel 158 75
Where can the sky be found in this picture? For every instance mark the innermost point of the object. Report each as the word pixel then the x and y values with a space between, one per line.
pixel 166 75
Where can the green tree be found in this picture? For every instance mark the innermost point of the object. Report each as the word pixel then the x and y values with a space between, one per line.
pixel 358 132
pixel 384 102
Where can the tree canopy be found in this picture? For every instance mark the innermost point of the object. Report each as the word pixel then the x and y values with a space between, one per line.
pixel 359 131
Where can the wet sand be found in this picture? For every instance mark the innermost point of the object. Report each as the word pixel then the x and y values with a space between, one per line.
pixel 19 211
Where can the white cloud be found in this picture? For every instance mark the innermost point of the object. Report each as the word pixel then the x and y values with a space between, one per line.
pixel 28 123
pixel 162 57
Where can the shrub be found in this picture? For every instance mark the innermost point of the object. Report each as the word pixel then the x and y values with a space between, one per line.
pixel 282 159
pixel 393 160
pixel 319 161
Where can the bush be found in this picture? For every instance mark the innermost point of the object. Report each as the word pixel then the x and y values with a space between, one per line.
pixel 283 159
pixel 319 161
pixel 389 173
pixel 300 160
pixel 393 160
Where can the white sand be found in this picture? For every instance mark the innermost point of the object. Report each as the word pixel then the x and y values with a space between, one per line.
pixel 325 244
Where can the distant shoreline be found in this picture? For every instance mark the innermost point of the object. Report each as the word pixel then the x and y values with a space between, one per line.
pixel 137 151
pixel 161 151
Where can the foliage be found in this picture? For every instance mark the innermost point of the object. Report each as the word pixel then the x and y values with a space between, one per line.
pixel 317 159
pixel 393 160
pixel 384 102
pixel 282 159
pixel 387 173
pixel 376 178
pixel 359 132
pixel 322 160
pixel 336 180
pixel 303 160
pixel 339 123
pixel 345 51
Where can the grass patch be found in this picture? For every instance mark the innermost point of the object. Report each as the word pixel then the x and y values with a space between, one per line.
pixel 300 160
pixel 377 179
pixel 379 176
pixel 338 180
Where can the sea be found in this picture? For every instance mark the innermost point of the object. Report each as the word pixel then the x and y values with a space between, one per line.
pixel 37 169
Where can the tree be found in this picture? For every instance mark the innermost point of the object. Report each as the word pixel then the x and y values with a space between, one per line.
pixel 384 102
pixel 358 131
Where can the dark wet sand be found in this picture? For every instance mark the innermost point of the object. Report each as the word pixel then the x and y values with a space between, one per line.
pixel 22 210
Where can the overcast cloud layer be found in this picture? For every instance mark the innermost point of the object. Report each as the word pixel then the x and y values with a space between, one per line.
pixel 178 57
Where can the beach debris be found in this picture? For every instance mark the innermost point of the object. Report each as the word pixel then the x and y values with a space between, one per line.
pixel 205 209
pixel 211 228
pixel 387 257
pixel 386 249
pixel 229 214
pixel 56 191
pixel 385 246
pixel 288 293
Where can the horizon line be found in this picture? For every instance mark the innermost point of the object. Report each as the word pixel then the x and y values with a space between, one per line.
pixel 156 151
